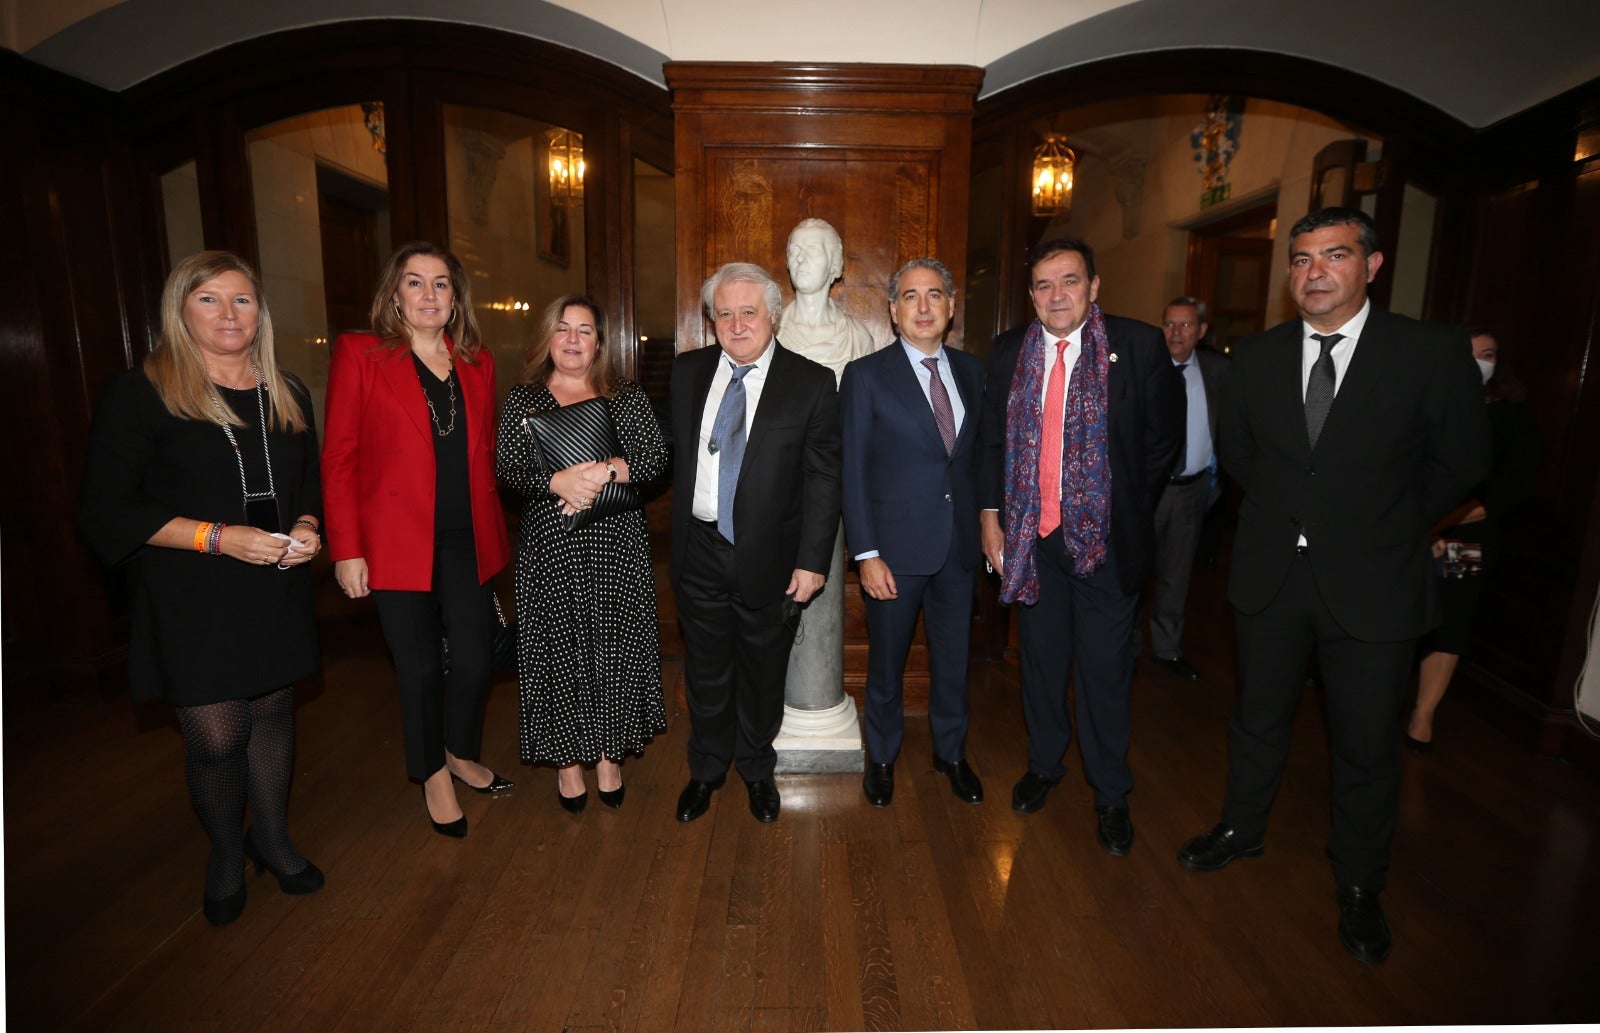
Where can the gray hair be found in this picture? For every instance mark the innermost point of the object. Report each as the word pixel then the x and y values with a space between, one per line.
pixel 741 272
pixel 1201 312
pixel 923 263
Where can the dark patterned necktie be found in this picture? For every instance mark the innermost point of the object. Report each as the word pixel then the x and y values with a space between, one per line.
pixel 943 414
pixel 1319 389
pixel 727 440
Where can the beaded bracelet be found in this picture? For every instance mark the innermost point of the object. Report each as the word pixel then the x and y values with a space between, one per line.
pixel 308 523
pixel 214 540
pixel 201 532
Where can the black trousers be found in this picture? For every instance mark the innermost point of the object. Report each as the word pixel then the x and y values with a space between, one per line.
pixel 736 659
pixel 441 712
pixel 1087 624
pixel 945 600
pixel 1365 683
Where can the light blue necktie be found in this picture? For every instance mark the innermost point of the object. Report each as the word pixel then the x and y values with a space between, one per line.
pixel 727 443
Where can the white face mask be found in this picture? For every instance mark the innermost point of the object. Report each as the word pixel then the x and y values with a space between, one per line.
pixel 1485 366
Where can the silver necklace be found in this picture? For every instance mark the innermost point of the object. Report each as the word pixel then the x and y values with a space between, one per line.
pixel 266 451
pixel 450 380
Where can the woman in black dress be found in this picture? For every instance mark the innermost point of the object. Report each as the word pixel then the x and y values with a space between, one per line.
pixel 201 477
pixel 588 663
pixel 1476 522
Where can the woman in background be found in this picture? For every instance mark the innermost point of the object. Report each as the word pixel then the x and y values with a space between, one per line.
pixel 1476 521
pixel 413 514
pixel 201 476
pixel 588 663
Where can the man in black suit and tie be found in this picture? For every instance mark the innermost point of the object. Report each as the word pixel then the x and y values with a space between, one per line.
pixel 910 419
pixel 1082 420
pixel 755 511
pixel 1350 431
pixel 1182 508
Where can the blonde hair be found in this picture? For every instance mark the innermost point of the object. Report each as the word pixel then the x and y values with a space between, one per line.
pixel 538 365
pixel 177 370
pixel 390 326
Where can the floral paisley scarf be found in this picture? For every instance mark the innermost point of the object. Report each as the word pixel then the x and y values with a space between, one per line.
pixel 1085 460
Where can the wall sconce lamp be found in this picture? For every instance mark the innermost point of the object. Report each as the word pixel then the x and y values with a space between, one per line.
pixel 566 167
pixel 1053 163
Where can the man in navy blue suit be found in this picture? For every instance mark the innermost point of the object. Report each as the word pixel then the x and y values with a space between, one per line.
pixel 909 416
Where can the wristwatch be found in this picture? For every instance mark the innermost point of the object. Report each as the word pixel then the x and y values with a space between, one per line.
pixel 611 471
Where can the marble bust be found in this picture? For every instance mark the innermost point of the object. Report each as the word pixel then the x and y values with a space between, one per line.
pixel 812 324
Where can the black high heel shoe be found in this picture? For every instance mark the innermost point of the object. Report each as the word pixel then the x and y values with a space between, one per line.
pixel 574 804
pixel 454 829
pixel 220 912
pixel 307 880
pixel 496 784
pixel 612 797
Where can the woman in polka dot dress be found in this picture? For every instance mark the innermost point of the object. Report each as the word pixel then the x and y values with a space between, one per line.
pixel 588 662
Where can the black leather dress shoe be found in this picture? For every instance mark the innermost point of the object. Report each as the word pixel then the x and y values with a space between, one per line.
pixel 496 784
pixel 878 784
pixel 1114 829
pixel 696 797
pixel 763 800
pixel 1362 929
pixel 1179 666
pixel 963 780
pixel 1216 849
pixel 1030 791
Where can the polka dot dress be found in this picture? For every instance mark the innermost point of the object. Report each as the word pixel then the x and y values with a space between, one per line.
pixel 588 660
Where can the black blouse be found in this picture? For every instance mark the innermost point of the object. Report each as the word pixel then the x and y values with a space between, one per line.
pixel 204 628
pixel 452 498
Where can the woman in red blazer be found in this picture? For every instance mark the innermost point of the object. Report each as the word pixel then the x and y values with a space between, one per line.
pixel 411 511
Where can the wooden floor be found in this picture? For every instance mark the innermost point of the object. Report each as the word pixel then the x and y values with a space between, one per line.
pixel 932 914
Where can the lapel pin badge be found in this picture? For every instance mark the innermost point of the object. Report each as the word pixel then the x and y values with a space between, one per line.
pixel 1113 356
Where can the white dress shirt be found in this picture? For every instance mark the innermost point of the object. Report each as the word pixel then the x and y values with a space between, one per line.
pixel 707 464
pixel 1311 351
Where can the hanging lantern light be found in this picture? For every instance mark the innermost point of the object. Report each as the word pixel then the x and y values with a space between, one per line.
pixel 1053 163
pixel 566 167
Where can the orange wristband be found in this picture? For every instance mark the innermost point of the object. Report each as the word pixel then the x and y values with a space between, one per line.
pixel 200 534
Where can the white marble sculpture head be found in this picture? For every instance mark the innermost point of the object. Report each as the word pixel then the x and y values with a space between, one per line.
pixel 815 256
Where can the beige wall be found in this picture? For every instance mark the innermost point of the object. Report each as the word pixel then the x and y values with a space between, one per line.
pixel 1141 270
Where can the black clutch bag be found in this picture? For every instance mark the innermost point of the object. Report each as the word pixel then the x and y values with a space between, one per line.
pixel 581 433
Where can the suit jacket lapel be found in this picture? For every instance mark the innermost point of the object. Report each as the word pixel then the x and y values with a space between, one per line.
pixel 703 372
pixel 905 386
pixel 969 384
pixel 472 387
pixel 1287 399
pixel 398 370
pixel 1360 377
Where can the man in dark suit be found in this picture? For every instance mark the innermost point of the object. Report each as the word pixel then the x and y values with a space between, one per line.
pixel 755 511
pixel 1350 431
pixel 910 419
pixel 1184 500
pixel 1082 419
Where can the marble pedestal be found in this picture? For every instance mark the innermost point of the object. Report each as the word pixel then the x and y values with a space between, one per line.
pixel 821 731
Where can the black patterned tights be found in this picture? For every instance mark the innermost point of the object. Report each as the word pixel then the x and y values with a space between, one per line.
pixel 238 749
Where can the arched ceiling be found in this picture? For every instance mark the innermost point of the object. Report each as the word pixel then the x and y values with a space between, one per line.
pixel 1479 60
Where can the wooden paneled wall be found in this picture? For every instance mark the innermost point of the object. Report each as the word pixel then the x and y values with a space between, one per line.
pixel 880 151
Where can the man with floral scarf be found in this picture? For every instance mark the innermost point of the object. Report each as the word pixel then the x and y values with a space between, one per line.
pixel 1083 416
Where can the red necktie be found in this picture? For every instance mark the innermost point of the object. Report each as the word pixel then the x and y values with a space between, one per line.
pixel 1050 447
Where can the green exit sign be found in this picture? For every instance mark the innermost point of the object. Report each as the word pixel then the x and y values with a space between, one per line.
pixel 1216 195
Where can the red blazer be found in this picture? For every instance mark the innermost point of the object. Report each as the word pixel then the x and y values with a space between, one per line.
pixel 378 467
